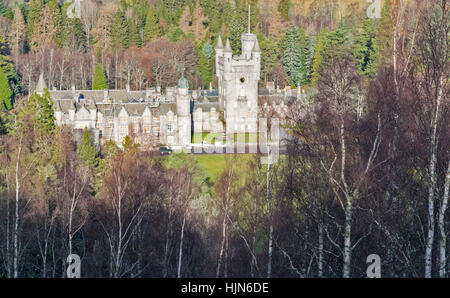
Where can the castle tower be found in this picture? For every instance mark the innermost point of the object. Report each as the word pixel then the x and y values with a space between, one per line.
pixel 183 112
pixel 238 79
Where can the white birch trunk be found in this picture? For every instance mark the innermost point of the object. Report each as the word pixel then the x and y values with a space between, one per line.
pixel 443 240
pixel 180 253
pixel 432 186
pixel 16 219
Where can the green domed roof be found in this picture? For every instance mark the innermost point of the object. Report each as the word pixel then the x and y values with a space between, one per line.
pixel 183 83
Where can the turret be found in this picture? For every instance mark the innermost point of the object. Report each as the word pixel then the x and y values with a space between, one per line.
pixel 183 112
pixel 256 53
pixel 248 42
pixel 219 51
pixel 228 55
pixel 182 97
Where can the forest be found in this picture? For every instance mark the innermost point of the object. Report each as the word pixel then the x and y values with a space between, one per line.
pixel 366 170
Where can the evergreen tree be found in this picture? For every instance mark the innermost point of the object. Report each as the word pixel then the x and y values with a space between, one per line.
pixel 269 56
pixel 86 150
pixel 128 144
pixel 238 26
pixel 119 31
pixel 205 64
pixel 57 19
pixel 227 15
pixel 310 53
pixel 34 15
pixel 3 129
pixel 135 38
pixel 99 82
pixel 7 66
pixel 71 33
pixel 16 36
pixel 283 8
pixel 4 54
pixel 174 33
pixel 194 23
pixel 384 34
pixel 42 108
pixel 294 58
pixel 318 54
pixel 5 91
pixel 152 28
pixel 44 31
pixel 339 38
pixel 366 48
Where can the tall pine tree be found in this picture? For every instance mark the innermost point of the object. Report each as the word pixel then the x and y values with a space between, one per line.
pixel 238 26
pixel 205 63
pixel 34 15
pixel 5 91
pixel 119 31
pixel 16 35
pixel 283 8
pixel 152 28
pixel 318 55
pixel 86 150
pixel 294 58
pixel 366 49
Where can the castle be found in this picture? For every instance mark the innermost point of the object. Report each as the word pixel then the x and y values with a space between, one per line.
pixel 153 118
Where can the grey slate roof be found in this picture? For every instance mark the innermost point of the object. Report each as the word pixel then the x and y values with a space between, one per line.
pixel 97 96
pixel 206 107
pixel 165 107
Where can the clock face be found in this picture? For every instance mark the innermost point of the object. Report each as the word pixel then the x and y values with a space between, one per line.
pixel 242 80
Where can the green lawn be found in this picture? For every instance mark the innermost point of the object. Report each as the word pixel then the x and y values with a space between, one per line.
pixel 215 163
pixel 212 164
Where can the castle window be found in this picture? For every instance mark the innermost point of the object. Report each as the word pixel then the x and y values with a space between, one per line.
pixel 169 127
pixel 147 129
pixel 169 117
pixel 123 119
pixel 123 129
